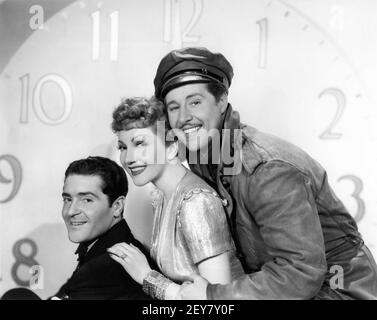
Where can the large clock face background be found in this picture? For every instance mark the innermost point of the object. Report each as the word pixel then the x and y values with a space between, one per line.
pixel 304 70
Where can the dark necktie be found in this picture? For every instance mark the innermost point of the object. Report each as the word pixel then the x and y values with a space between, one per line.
pixel 81 252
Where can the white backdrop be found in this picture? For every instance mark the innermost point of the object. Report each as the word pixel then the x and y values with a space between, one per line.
pixel 305 70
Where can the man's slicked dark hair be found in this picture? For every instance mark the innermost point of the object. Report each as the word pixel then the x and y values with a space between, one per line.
pixel 114 178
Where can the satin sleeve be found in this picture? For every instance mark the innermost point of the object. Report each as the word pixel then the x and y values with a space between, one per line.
pixel 204 226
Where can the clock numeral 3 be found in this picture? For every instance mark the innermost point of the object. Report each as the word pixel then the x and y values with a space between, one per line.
pixel 341 105
pixel 37 95
pixel 114 35
pixel 17 176
pixel 360 212
pixel 263 40
pixel 172 23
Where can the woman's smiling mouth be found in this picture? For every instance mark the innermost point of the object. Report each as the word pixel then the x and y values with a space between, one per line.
pixel 137 170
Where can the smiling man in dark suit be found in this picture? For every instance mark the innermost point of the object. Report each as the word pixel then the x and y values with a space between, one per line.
pixel 94 192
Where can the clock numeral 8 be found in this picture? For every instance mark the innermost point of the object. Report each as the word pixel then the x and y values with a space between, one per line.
pixel 360 212
pixel 341 105
pixel 22 259
pixel 17 176
pixel 37 95
pixel 172 23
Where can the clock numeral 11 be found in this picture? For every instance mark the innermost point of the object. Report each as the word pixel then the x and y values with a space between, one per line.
pixel 39 110
pixel 114 35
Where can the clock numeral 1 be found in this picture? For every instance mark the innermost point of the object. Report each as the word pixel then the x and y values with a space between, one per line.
pixel 360 212
pixel 341 105
pixel 172 23
pixel 114 35
pixel 37 95
pixel 16 168
pixel 24 98
pixel 263 40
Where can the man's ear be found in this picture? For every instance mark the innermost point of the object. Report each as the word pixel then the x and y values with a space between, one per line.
pixel 223 102
pixel 118 207
pixel 172 151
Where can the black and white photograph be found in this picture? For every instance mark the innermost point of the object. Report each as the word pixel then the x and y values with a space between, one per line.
pixel 188 150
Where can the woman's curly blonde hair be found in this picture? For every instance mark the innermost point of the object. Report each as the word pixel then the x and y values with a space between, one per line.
pixel 139 112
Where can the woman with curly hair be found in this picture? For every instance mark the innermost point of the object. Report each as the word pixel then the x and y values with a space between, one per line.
pixel 190 231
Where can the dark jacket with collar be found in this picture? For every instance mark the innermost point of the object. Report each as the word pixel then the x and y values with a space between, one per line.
pixel 295 236
pixel 98 277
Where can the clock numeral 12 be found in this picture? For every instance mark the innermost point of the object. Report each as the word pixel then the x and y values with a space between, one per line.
pixel 172 23
pixel 360 212
pixel 263 40
pixel 341 105
pixel 37 94
pixel 114 35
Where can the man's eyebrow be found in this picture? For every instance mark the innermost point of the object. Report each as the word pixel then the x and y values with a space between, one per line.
pixel 193 95
pixel 186 98
pixel 88 193
pixel 171 102
pixel 81 194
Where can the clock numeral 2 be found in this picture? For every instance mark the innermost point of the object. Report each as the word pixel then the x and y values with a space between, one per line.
pixel 114 35
pixel 263 40
pixel 17 176
pixel 360 212
pixel 37 94
pixel 172 23
pixel 341 105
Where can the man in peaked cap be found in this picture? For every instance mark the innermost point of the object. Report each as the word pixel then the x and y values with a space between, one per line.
pixel 294 236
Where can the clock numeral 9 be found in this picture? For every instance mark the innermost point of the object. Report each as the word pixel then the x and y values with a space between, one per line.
pixel 360 212
pixel 172 23
pixel 263 34
pixel 341 105
pixel 17 176
pixel 39 110
pixel 114 35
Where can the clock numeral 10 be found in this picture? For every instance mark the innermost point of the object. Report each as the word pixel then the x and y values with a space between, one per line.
pixel 39 110
pixel 360 212
pixel 263 40
pixel 341 105
pixel 16 168
pixel 114 35
pixel 172 23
